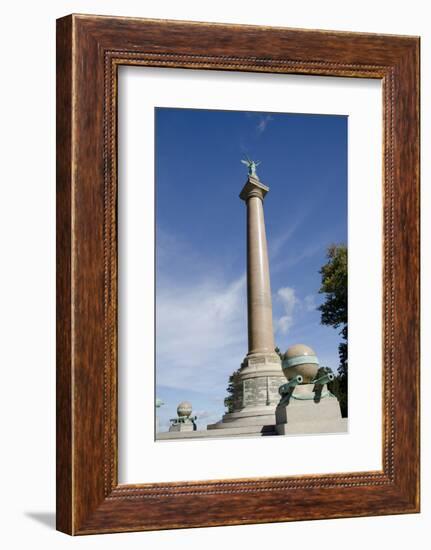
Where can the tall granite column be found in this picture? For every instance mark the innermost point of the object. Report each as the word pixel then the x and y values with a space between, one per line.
pixel 255 395
pixel 259 304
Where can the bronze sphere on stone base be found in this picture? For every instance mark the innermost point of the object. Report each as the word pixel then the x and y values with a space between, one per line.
pixel 300 359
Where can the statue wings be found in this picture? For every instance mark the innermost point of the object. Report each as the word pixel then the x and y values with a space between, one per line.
pixel 248 162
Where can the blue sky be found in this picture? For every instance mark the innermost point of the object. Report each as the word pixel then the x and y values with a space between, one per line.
pixel 201 324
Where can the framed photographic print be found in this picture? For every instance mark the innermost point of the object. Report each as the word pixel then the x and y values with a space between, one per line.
pixel 237 274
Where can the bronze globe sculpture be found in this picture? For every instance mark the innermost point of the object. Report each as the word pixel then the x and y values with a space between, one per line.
pixel 184 409
pixel 301 360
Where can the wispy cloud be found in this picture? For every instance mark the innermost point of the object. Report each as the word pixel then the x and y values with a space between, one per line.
pixel 201 333
pixel 294 309
pixel 263 122
pixel 310 302
pixel 203 413
pixel 277 243
pixel 294 259
pixel 287 296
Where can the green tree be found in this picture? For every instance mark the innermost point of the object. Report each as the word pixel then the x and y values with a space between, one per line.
pixel 334 313
pixel 232 389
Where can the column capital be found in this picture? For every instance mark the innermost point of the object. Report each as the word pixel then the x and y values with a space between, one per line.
pixel 253 188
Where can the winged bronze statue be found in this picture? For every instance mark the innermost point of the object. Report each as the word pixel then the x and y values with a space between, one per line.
pixel 251 165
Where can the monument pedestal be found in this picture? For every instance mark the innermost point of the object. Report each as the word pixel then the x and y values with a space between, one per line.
pixel 306 412
pixel 255 396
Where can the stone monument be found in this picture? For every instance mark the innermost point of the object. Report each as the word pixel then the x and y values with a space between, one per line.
pixel 184 422
pixel 256 390
pixel 262 402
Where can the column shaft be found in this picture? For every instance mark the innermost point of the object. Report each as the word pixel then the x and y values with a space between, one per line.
pixel 260 330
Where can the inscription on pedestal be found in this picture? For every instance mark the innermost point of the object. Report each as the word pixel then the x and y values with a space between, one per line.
pixel 256 392
pixel 255 361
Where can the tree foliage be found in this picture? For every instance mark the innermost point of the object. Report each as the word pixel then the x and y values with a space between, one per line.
pixel 334 312
pixel 231 390
pixel 334 285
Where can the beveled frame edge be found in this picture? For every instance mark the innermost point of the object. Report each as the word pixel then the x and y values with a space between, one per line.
pixel 89 51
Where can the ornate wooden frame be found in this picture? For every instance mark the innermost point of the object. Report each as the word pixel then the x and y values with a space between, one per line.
pixel 89 51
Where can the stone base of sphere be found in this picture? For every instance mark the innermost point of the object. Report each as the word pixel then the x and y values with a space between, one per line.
pixel 304 413
pixel 319 426
pixel 181 427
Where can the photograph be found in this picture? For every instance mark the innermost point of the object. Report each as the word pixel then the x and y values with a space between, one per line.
pixel 251 276
pixel 237 271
